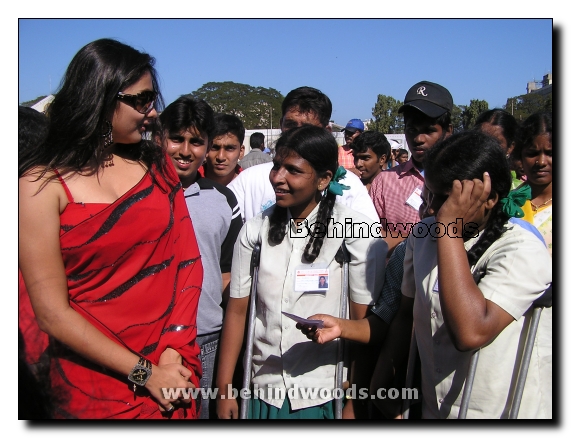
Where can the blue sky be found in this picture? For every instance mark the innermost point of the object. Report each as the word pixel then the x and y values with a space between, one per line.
pixel 351 60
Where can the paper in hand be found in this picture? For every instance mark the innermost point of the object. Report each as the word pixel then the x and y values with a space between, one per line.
pixel 308 322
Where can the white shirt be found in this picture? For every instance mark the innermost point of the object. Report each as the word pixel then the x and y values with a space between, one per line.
pixel 518 269
pixel 282 355
pixel 255 193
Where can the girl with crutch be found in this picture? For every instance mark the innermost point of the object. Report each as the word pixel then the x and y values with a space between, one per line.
pixel 470 280
pixel 299 240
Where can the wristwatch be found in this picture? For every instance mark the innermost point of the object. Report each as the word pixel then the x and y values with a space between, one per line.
pixel 141 373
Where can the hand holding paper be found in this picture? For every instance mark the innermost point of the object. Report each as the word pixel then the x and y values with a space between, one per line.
pixel 307 322
pixel 323 329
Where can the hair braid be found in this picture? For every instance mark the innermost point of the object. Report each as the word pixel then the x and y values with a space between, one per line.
pixel 494 229
pixel 278 224
pixel 313 247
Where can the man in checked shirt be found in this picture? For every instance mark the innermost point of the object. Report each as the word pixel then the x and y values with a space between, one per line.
pixel 396 192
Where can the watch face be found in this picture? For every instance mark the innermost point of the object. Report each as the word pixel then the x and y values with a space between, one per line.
pixel 139 375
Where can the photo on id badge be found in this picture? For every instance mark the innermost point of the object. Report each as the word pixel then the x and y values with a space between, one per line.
pixel 312 279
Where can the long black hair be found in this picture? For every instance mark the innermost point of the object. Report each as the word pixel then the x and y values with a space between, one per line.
pixel 32 131
pixel 318 147
pixel 466 156
pixel 82 108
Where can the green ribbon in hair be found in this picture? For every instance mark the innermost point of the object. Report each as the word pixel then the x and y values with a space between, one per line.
pixel 334 186
pixel 511 204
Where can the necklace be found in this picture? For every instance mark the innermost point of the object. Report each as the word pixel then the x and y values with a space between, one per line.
pixel 537 207
pixel 108 161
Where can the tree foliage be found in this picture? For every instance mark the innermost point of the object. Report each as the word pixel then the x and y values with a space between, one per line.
pixel 456 117
pixel 525 105
pixel 386 118
pixel 257 107
pixel 471 112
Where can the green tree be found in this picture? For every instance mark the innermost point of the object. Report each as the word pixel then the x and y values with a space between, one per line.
pixel 386 118
pixel 257 107
pixel 525 105
pixel 456 117
pixel 471 113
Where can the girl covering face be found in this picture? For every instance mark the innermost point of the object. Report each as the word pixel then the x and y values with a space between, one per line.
pixel 466 293
pixel 295 244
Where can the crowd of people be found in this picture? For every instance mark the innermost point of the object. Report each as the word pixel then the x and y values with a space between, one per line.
pixel 138 225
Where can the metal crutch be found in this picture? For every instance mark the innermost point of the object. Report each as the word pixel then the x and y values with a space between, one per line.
pixel 412 359
pixel 254 267
pixel 340 342
pixel 544 301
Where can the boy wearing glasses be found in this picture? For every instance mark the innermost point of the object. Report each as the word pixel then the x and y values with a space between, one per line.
pixel 188 127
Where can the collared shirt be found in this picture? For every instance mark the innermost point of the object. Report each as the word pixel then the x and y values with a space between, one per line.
pixel 517 269
pixel 217 221
pixel 390 191
pixel 345 157
pixel 254 157
pixel 283 356
pixel 255 193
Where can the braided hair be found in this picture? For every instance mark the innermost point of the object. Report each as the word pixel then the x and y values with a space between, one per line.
pixel 318 147
pixel 466 156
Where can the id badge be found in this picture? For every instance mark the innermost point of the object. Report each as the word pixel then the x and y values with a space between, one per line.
pixel 414 200
pixel 311 279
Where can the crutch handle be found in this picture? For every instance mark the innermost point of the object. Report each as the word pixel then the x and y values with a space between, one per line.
pixel 545 300
pixel 255 261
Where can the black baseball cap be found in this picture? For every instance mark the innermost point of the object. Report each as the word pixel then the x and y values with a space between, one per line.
pixel 430 98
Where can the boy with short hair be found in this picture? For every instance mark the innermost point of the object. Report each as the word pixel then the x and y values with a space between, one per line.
pixel 302 106
pixel 371 150
pixel 256 155
pixel 188 127
pixel 227 149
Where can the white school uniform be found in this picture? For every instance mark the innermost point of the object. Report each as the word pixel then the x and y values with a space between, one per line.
pixel 283 356
pixel 517 271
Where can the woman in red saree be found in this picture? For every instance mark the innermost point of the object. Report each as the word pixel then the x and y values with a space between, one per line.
pixel 107 250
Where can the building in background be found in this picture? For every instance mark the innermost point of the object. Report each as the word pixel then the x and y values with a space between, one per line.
pixel 543 87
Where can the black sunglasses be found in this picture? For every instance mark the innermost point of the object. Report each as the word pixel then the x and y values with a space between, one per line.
pixel 142 102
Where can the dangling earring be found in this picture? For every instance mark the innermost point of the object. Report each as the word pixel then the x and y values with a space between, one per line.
pixel 108 136
pixel 108 141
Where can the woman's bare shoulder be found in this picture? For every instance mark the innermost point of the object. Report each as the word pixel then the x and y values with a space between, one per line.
pixel 39 184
